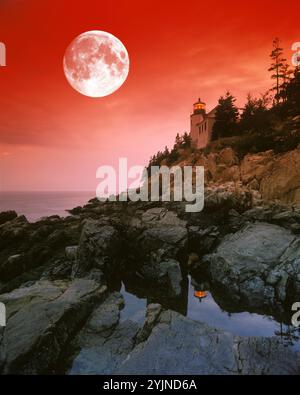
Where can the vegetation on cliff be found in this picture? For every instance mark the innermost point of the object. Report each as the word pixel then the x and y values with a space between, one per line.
pixel 268 122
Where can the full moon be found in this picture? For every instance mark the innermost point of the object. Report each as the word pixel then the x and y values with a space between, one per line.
pixel 96 63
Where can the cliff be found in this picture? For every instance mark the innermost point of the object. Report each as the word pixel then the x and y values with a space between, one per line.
pixel 266 175
pixel 64 281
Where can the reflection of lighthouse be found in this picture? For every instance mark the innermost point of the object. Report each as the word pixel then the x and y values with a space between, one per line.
pixel 200 290
pixel 200 295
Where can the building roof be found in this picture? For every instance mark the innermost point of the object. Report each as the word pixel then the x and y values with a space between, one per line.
pixel 212 113
pixel 199 101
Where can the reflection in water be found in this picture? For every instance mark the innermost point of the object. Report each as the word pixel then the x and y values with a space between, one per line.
pixel 289 335
pixel 242 323
pixel 208 311
pixel 134 308
pixel 200 294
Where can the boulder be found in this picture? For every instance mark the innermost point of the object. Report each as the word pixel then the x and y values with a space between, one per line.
pixel 59 270
pixel 7 216
pixel 152 314
pixel 256 166
pixel 164 231
pixel 106 316
pixel 25 247
pixel 99 247
pixel 41 319
pixel 166 275
pixel 228 157
pixel 178 345
pixel 15 264
pixel 276 177
pixel 13 230
pixel 99 355
pixel 212 165
pixel 247 263
pixel 75 211
pixel 202 241
pixel 283 183
pixel 227 196
pixel 103 343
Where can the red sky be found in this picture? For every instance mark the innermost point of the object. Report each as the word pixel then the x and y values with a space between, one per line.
pixel 53 138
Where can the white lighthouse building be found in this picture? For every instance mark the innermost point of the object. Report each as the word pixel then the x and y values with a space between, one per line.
pixel 201 124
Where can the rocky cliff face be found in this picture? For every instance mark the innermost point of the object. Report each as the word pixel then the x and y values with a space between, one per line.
pixel 265 175
pixel 60 277
pixel 63 311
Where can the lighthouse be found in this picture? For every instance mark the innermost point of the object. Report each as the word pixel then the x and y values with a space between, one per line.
pixel 201 124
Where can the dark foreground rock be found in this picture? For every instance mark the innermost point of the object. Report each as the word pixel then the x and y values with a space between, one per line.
pixel 7 216
pixel 58 277
pixel 258 266
pixel 178 345
pixel 103 343
pixel 41 319
pixel 27 250
pixel 99 247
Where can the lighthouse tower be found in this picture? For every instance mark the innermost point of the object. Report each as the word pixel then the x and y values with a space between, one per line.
pixel 201 124
pixel 197 117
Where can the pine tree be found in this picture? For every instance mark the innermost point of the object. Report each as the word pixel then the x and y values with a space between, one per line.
pixel 166 152
pixel 248 113
pixel 186 140
pixel 278 68
pixel 255 115
pixel 293 94
pixel 226 117
pixel 286 73
pixel 178 141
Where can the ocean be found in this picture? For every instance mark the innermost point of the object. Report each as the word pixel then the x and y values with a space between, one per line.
pixel 35 205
